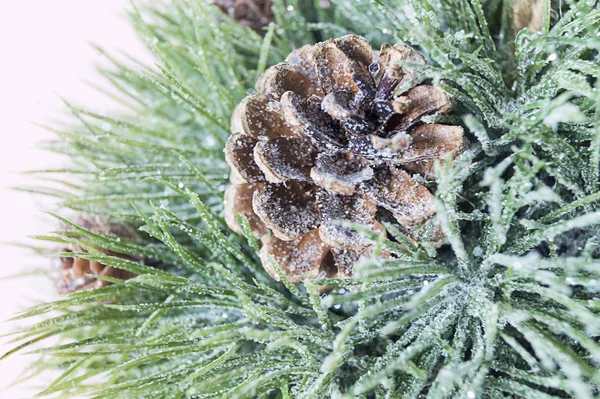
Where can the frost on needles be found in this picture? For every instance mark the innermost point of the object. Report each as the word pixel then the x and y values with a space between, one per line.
pixel 507 309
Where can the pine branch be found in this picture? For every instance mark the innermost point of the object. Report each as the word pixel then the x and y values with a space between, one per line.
pixel 509 309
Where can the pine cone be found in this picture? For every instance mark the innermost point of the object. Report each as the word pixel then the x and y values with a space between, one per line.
pixel 253 13
pixel 72 273
pixel 328 139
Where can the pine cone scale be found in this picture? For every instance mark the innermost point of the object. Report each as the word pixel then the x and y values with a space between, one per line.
pixel 282 78
pixel 340 172
pixel 338 72
pixel 261 118
pixel 239 152
pixel 394 189
pixel 420 101
pixel 307 118
pixel 303 60
pixel 300 259
pixel 288 210
pixel 433 141
pixel 285 158
pixel 355 209
pixel 238 197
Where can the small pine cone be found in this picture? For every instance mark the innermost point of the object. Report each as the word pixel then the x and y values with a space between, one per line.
pixel 73 273
pixel 327 139
pixel 255 14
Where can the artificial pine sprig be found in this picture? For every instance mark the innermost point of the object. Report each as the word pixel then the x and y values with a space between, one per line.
pixel 508 309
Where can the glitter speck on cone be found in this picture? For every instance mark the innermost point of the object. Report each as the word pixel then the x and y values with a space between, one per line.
pixel 329 139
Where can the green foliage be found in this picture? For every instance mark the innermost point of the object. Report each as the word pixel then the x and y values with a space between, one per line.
pixel 509 309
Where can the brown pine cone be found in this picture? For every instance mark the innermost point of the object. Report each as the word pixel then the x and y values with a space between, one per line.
pixel 328 138
pixel 253 13
pixel 73 273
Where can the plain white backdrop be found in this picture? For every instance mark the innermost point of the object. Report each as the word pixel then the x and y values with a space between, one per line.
pixel 45 53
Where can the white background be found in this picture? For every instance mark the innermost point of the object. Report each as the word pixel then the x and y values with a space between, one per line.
pixel 44 54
